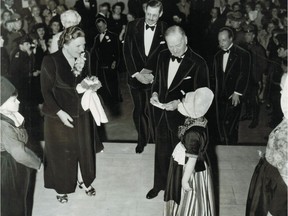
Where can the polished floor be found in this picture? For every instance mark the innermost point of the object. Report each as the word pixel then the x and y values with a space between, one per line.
pixel 124 178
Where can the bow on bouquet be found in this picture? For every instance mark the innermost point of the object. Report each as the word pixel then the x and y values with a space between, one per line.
pixel 79 64
pixel 90 99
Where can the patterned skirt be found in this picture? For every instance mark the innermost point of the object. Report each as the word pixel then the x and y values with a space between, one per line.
pixel 197 202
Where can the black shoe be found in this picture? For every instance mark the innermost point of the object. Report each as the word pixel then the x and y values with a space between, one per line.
pixel 62 198
pixel 91 191
pixel 139 149
pixel 80 184
pixel 152 193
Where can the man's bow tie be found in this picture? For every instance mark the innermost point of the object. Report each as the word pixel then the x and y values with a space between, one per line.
pixel 173 58
pixel 226 51
pixel 152 27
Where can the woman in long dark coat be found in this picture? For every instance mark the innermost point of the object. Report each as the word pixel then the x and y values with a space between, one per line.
pixel 68 132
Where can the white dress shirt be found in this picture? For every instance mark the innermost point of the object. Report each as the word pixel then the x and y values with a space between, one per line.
pixel 172 70
pixel 148 38
pixel 225 58
pixel 102 36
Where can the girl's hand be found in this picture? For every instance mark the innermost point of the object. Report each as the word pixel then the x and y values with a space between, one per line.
pixel 186 186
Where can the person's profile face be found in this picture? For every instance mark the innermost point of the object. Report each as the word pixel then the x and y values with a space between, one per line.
pixel 152 15
pixel 75 47
pixel 224 40
pixel 282 53
pixel 41 32
pixel 11 105
pixel 6 16
pixel 270 28
pixel 36 11
pixel 235 24
pixel 17 25
pixel 214 13
pixel 249 37
pixel 25 47
pixel 101 26
pixel 117 10
pixel 55 26
pixel 176 43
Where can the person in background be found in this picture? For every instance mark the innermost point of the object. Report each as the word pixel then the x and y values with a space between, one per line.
pixel 55 26
pixel 5 61
pixel 105 56
pixel 69 136
pixel 118 20
pixel 259 66
pixel 17 161
pixel 232 71
pixel 268 187
pixel 16 32
pixel 189 189
pixel 34 18
pixel 142 44
pixel 179 70
pixel 68 18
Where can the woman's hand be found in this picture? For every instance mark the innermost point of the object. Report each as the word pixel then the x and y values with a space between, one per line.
pixel 65 118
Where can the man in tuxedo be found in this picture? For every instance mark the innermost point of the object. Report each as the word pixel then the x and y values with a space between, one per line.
pixel 87 10
pixel 105 55
pixel 179 70
pixel 231 67
pixel 142 44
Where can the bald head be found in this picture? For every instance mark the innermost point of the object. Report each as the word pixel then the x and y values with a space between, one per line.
pixel 176 40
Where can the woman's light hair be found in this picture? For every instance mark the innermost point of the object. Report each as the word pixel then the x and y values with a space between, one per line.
pixel 70 18
pixel 69 34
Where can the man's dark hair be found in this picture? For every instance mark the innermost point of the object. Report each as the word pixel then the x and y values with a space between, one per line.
pixel 98 20
pixel 229 31
pixel 155 4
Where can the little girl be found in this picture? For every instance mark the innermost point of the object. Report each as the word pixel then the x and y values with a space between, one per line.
pixel 189 189
pixel 17 161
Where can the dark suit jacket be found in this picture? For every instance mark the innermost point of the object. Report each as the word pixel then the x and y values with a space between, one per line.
pixel 105 52
pixel 236 76
pixel 134 51
pixel 192 74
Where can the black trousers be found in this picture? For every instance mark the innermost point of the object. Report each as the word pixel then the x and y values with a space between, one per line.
pixel 143 115
pixel 228 122
pixel 166 141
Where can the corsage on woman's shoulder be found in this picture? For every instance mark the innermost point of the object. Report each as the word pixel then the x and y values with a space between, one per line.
pixel 79 65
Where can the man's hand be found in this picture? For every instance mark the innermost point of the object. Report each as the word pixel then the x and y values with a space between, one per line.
pixel 142 79
pixel 235 99
pixel 113 65
pixel 154 99
pixel 65 118
pixel 172 105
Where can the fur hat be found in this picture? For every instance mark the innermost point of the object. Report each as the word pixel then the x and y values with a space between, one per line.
pixel 197 103
pixel 7 90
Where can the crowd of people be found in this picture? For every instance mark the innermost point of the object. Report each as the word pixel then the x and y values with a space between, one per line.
pixel 174 54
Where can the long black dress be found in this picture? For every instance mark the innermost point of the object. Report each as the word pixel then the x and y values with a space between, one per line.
pixel 65 147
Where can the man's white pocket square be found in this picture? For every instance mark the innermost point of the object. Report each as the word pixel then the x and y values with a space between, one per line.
pixel 162 42
pixel 188 77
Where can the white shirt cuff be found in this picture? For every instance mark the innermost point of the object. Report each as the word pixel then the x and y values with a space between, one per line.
pixel 134 75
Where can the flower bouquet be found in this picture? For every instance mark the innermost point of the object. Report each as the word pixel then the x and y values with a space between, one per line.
pixel 90 99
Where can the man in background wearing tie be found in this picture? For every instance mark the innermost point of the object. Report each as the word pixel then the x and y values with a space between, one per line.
pixel 179 70
pixel 232 70
pixel 142 44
